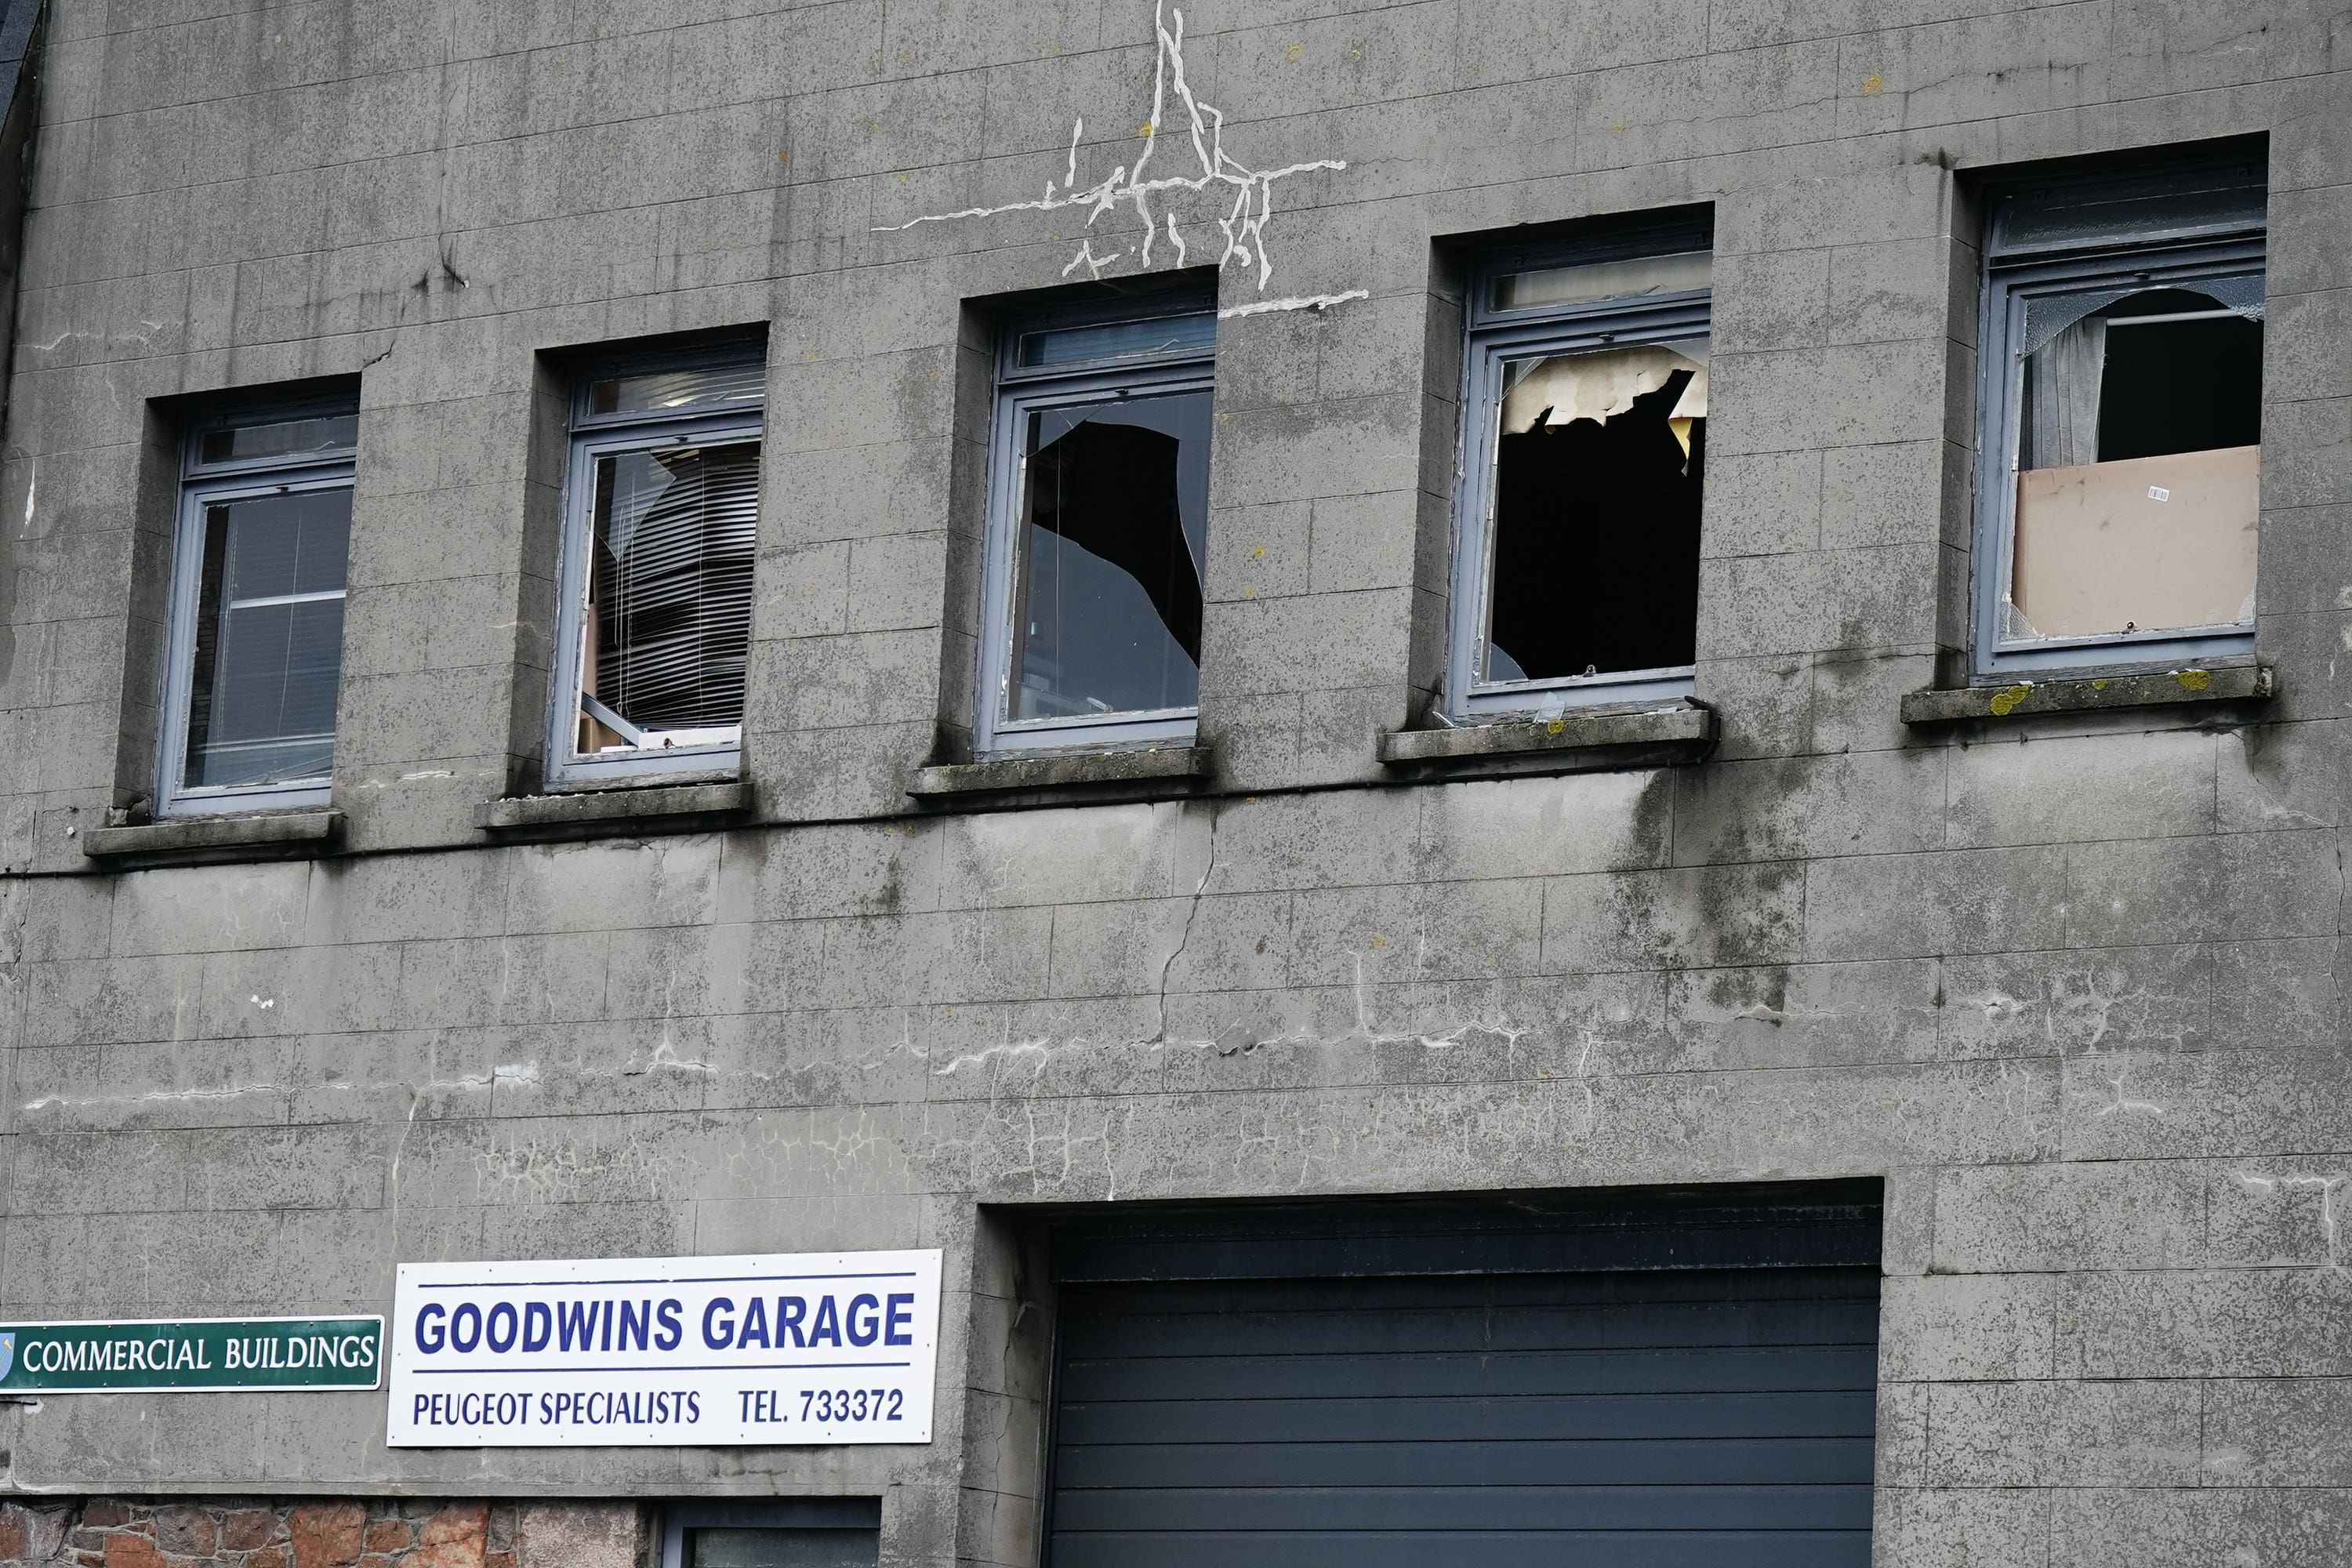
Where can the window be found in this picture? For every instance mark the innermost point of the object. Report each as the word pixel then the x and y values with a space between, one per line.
pixel 661 527
pixel 804 1532
pixel 1583 457
pixel 255 646
pixel 2122 421
pixel 1098 528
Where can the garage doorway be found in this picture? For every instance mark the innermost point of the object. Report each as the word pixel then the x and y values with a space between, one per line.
pixel 1683 1379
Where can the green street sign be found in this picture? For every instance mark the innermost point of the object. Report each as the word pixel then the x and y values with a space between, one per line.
pixel 190 1355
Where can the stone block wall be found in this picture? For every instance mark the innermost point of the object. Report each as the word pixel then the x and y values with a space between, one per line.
pixel 132 1533
pixel 2071 986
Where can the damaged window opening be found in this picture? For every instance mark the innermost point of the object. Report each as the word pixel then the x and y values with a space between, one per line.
pixel 1576 560
pixel 2120 510
pixel 1099 533
pixel 256 638
pixel 661 535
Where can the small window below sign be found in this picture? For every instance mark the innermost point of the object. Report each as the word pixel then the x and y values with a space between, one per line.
pixel 802 1532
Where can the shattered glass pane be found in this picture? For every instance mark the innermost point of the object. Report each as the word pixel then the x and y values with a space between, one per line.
pixel 704 389
pixel 668 631
pixel 1599 469
pixel 2137 474
pixel 310 435
pixel 1107 609
pixel 269 640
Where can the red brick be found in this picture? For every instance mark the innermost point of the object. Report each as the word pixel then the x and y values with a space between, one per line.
pixel 269 1557
pixel 327 1535
pixel 129 1551
pixel 456 1537
pixel 105 1513
pixel 247 1529
pixel 389 1535
pixel 186 1531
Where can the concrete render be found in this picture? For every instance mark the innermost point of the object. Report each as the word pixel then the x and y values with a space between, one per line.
pixel 2066 982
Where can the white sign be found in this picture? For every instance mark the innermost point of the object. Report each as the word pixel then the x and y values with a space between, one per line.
pixel 781 1348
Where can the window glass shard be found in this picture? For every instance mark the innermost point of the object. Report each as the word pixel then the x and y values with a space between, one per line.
pixel 1107 612
pixel 269 639
pixel 669 632
pixel 702 389
pixel 322 435
pixel 1155 336
pixel 1599 470
pixel 1614 280
pixel 2137 492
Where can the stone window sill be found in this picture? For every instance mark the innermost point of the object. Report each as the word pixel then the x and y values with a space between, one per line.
pixel 1158 770
pixel 612 808
pixel 2091 694
pixel 200 834
pixel 1572 742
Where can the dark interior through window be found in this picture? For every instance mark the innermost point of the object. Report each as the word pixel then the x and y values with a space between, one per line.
pixel 1596 543
pixel 2179 385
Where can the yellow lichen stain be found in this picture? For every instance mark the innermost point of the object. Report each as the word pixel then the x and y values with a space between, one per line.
pixel 2194 679
pixel 2099 683
pixel 2009 698
pixel 1380 941
pixel 1144 130
pixel 1296 50
pixel 1555 727
pixel 1249 593
pixel 1872 85
pixel 1258 552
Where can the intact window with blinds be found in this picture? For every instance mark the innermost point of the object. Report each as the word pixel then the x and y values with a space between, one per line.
pixel 661 526
pixel 255 630
pixel 2118 501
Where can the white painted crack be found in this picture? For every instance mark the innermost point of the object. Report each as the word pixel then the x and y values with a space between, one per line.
pixel 1148 195
pixel 2324 1185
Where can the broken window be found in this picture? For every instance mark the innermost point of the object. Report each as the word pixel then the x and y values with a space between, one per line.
pixel 1099 532
pixel 2119 512
pixel 257 614
pixel 663 508
pixel 1577 561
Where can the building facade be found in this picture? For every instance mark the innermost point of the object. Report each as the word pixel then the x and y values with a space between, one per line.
pixel 1140 645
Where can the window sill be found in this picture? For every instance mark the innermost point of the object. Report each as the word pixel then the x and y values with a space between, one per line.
pixel 198 835
pixel 611 807
pixel 1155 770
pixel 2091 694
pixel 1572 742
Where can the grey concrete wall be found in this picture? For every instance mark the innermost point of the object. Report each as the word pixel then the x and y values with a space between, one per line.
pixel 2069 986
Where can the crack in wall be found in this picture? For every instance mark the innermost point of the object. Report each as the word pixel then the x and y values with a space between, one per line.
pixel 2324 1185
pixel 1244 222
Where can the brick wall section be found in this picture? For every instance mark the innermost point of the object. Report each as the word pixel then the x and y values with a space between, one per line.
pixel 116 1533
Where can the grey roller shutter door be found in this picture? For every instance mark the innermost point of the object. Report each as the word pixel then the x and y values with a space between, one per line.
pixel 1683 1414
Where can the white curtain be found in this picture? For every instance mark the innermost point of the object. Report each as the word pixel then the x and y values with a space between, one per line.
pixel 2062 397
